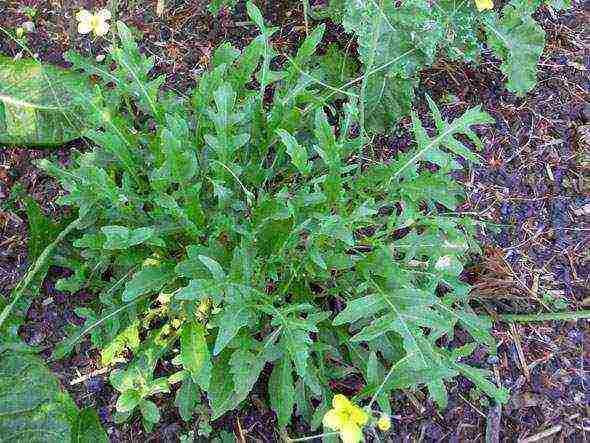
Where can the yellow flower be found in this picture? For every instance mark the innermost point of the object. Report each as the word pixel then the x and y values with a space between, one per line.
pixel 483 5
pixel 384 423
pixel 346 418
pixel 97 23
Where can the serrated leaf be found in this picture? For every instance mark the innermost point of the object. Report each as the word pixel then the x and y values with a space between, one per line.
pixel 42 230
pixel 187 398
pixel 200 289
pixel 232 319
pixel 221 389
pixel 137 68
pixel 297 342
pixel 281 391
pixel 395 41
pixel 310 44
pixel 297 152
pixel 214 268
pixel 245 367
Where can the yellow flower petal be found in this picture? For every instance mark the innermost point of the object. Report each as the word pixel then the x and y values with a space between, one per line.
pixel 340 402
pixel 333 420
pixel 384 423
pixel 358 416
pixel 351 433
pixel 84 27
pixel 101 28
pixel 84 15
pixel 483 5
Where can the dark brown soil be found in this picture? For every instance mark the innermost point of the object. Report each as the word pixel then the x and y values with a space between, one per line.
pixel 532 198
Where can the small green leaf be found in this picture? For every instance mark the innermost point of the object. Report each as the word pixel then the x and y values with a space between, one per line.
pixel 150 279
pixel 149 411
pixel 120 237
pixel 128 400
pixel 194 353
pixel 297 152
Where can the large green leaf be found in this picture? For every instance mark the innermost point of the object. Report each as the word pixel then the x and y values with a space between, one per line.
pixel 34 408
pixel 43 105
pixel 395 42
pixel 519 41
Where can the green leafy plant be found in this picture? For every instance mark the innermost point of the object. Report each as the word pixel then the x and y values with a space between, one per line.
pixel 242 230
pixel 397 40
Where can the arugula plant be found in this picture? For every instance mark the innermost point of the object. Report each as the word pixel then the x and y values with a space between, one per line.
pixel 242 230
pixel 396 40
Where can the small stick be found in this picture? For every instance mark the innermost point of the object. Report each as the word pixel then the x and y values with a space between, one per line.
pixel 241 439
pixel 541 435
pixel 473 406
pixel 85 377
pixel 493 424
pixel 516 337
pixel 160 7
pixel 420 408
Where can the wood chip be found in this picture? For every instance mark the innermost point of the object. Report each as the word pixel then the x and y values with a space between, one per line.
pixel 541 435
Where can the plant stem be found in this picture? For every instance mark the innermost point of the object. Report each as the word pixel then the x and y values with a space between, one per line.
pixel 19 291
pixel 527 318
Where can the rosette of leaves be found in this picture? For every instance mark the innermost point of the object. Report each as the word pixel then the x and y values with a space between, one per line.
pixel 240 232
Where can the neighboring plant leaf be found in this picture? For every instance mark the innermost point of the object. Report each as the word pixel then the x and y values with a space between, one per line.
pixel 34 408
pixel 43 105
pixel 518 41
pixel 88 428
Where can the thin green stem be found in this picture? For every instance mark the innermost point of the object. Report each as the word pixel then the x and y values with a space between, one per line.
pixel 20 290
pixel 311 437
pixel 529 318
